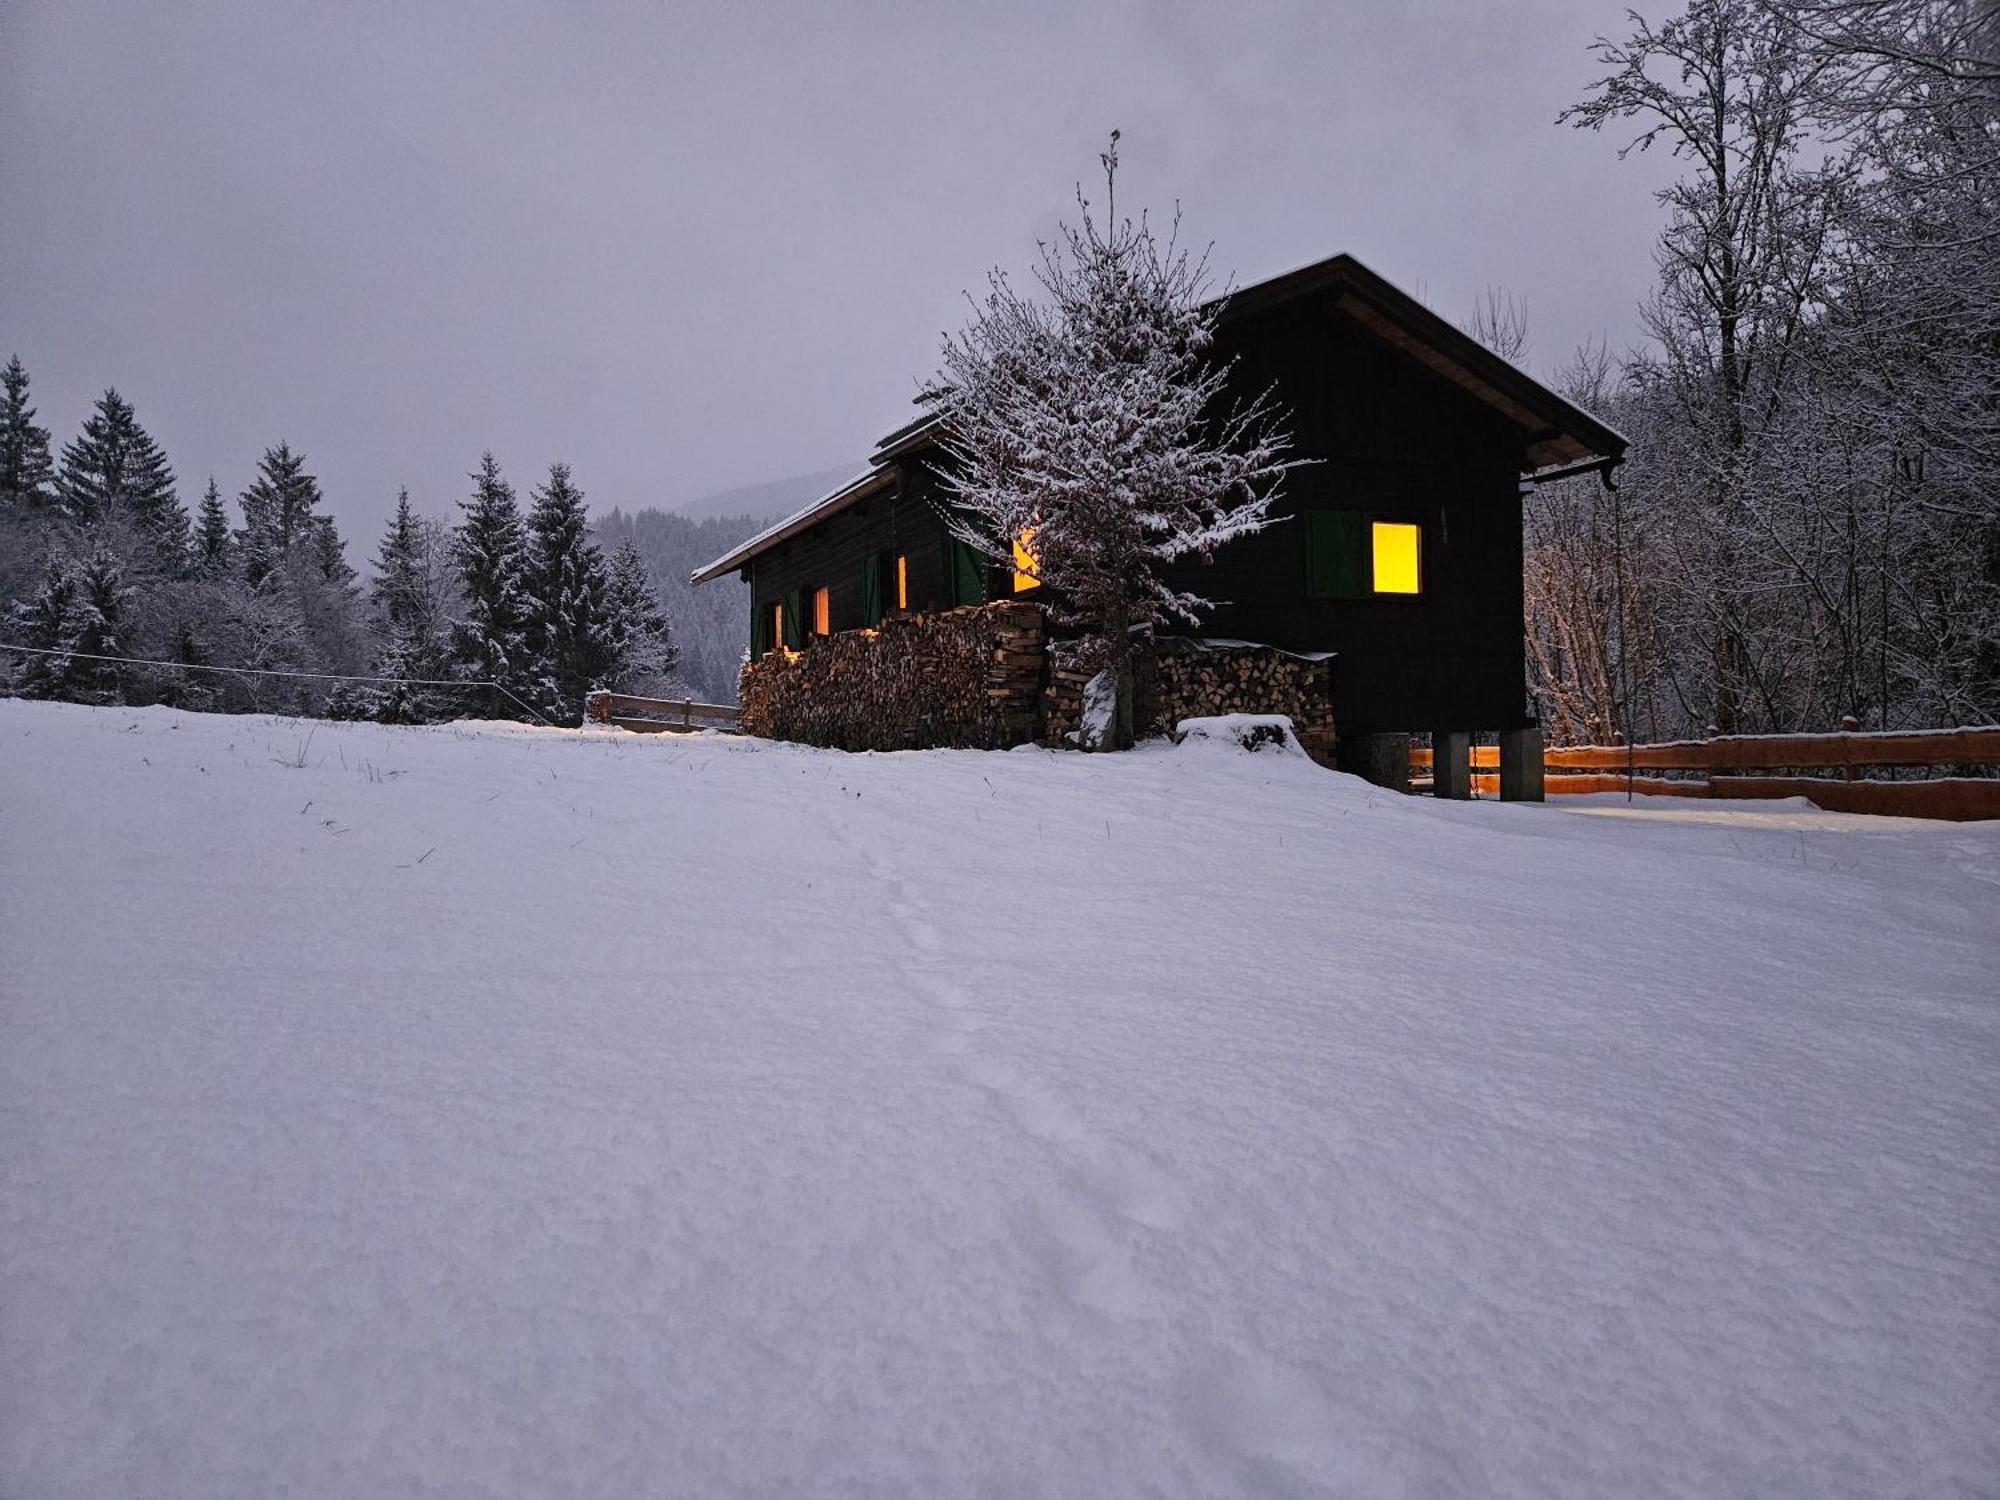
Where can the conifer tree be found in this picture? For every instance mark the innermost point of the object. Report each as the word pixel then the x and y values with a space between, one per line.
pixel 408 598
pixel 641 637
pixel 27 476
pixel 279 514
pixel 329 554
pixel 79 611
pixel 568 629
pixel 101 596
pixel 398 568
pixel 46 622
pixel 211 536
pixel 488 643
pixel 114 469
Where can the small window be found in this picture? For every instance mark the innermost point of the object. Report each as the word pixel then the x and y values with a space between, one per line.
pixel 822 608
pixel 1027 567
pixel 902 582
pixel 777 611
pixel 1398 547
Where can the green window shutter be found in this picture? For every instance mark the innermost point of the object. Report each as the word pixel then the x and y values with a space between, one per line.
pixel 1336 554
pixel 871 591
pixel 760 631
pixel 968 574
pixel 795 621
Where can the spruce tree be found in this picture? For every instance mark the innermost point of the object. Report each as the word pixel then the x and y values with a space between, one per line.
pixel 398 569
pixel 406 606
pixel 489 549
pixel 329 554
pixel 46 622
pixel 641 638
pixel 211 536
pixel 279 514
pixel 114 469
pixel 27 477
pixel 569 632
pixel 97 629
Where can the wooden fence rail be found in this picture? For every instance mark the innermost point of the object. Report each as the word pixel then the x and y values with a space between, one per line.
pixel 1720 767
pixel 660 715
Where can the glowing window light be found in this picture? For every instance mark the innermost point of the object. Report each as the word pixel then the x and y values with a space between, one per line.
pixel 822 612
pixel 1027 567
pixel 1398 552
pixel 902 583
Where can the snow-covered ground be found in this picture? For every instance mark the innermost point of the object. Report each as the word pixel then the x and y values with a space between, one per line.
pixel 477 1111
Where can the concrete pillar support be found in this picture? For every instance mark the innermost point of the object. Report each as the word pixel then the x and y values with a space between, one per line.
pixel 1521 764
pixel 1451 764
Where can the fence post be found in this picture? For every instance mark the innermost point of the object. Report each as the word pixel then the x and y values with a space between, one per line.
pixel 597 707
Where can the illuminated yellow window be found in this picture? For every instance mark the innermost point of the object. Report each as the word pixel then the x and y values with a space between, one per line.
pixel 1398 557
pixel 777 626
pixel 822 612
pixel 902 583
pixel 1027 567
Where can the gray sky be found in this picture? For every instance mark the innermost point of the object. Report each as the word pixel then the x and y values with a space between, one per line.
pixel 689 246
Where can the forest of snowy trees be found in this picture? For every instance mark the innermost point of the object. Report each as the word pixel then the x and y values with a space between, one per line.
pixel 509 613
pixel 1809 525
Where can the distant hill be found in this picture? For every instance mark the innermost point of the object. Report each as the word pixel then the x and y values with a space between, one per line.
pixel 711 624
pixel 770 500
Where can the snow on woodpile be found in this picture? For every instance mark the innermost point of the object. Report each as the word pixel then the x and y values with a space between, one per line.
pixel 1270 732
pixel 491 1111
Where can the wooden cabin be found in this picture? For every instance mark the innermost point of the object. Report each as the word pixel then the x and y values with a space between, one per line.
pixel 1398 549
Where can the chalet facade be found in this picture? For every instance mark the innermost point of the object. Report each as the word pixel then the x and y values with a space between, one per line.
pixel 1398 550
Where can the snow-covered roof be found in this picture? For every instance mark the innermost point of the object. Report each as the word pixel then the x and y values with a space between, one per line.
pixel 839 498
pixel 1555 431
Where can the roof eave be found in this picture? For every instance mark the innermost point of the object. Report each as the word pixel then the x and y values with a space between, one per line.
pixel 837 500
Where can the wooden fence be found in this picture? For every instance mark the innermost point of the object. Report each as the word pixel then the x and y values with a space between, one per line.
pixel 1744 766
pixel 660 715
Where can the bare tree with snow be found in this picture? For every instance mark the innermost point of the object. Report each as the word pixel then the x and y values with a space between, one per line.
pixel 1091 447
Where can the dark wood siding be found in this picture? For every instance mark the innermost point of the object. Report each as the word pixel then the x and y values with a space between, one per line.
pixel 834 553
pixel 1394 441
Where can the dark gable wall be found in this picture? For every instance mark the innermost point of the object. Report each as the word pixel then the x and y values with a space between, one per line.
pixel 1394 440
pixel 834 553
pixel 1397 442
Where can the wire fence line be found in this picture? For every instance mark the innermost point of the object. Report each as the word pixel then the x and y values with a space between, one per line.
pixel 194 666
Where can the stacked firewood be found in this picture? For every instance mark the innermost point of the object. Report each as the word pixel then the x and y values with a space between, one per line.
pixel 1071 665
pixel 1177 679
pixel 1206 679
pixel 970 676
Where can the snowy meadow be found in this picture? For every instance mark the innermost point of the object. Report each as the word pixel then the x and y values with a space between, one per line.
pixel 479 1110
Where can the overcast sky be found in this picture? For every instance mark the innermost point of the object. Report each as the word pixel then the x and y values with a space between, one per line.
pixel 688 246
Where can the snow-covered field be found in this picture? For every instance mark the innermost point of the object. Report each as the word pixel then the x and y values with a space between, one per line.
pixel 478 1111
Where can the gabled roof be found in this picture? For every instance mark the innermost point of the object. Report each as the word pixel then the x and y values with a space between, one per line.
pixel 1554 431
pixel 857 488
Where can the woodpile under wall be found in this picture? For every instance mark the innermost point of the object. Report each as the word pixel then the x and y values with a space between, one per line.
pixel 987 677
pixel 1179 678
pixel 967 677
